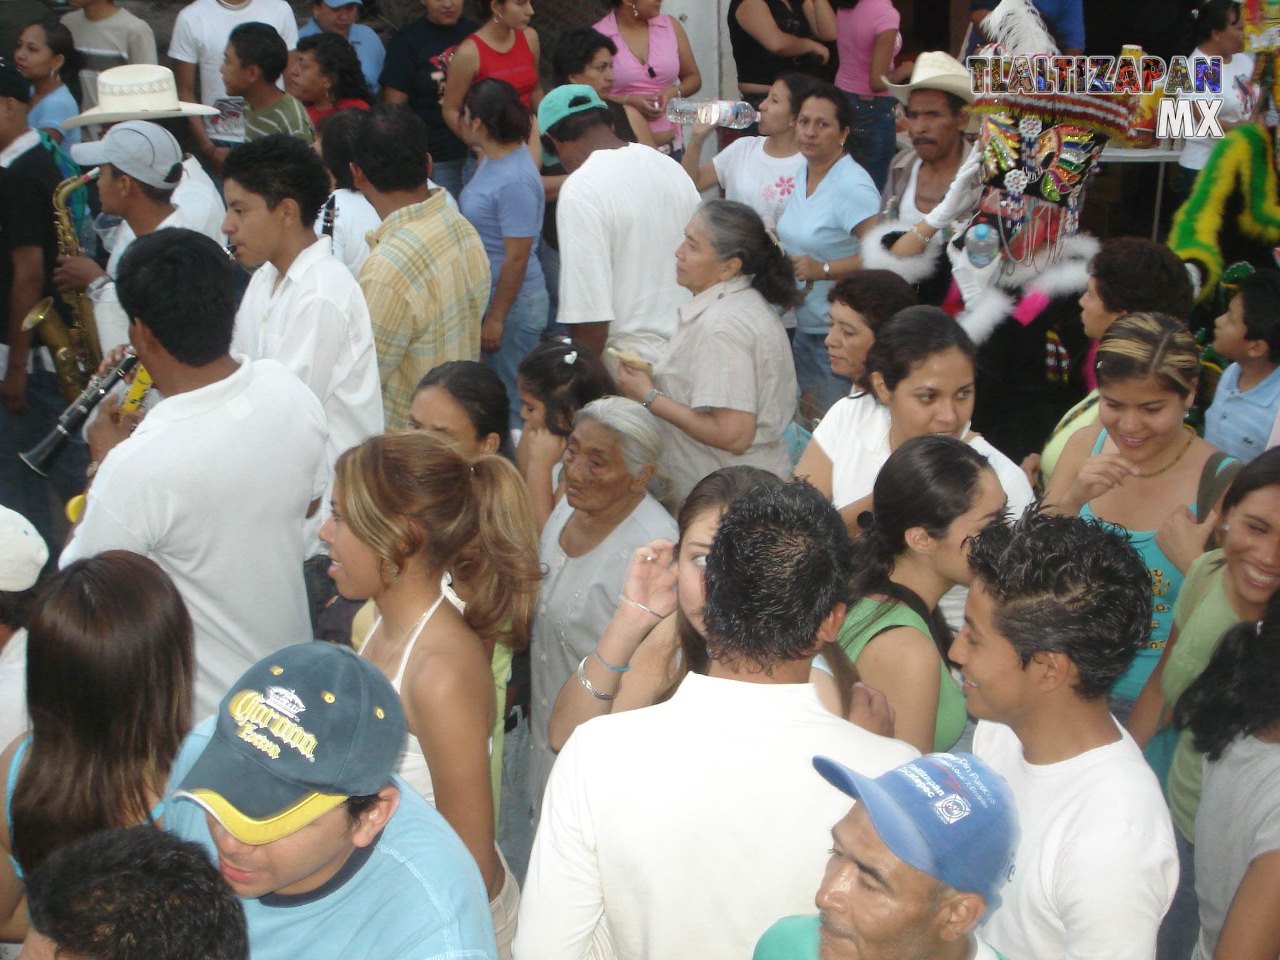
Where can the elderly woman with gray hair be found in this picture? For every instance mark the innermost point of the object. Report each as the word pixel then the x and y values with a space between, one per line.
pixel 725 388
pixel 610 467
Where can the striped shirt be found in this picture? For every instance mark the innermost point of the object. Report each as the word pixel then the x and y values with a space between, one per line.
pixel 286 115
pixel 427 285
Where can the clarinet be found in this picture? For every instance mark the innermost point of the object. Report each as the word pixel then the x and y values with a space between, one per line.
pixel 330 214
pixel 73 418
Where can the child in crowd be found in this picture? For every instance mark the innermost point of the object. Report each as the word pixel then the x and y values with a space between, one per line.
pixel 1248 396
pixel 554 381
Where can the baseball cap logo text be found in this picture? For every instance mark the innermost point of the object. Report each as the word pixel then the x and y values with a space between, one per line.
pixel 276 712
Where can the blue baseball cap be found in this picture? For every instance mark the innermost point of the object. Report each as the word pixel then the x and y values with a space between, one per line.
pixel 565 101
pixel 304 729
pixel 946 814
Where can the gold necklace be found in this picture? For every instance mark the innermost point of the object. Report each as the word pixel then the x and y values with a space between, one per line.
pixel 1174 462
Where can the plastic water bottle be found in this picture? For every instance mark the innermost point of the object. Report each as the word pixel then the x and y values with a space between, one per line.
pixel 981 245
pixel 720 113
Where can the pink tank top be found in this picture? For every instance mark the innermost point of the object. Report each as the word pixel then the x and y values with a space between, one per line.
pixel 516 66
pixel 631 76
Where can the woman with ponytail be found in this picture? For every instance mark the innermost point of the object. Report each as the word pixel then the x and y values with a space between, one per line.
pixel 1233 714
pixel 407 509
pixel 933 494
pixel 725 388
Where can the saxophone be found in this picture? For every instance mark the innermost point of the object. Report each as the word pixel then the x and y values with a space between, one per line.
pixel 75 348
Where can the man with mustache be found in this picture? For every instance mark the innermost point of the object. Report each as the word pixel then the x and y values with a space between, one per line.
pixel 936 101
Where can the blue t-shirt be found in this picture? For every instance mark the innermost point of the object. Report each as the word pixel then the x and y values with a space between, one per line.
pixel 821 226
pixel 368 46
pixel 49 113
pixel 505 199
pixel 1239 422
pixel 417 896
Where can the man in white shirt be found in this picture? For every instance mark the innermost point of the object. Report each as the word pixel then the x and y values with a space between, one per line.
pixel 197 47
pixel 1058 609
pixel 620 216
pixel 936 101
pixel 215 482
pixel 653 818
pixel 140 166
pixel 303 307
pixel 915 865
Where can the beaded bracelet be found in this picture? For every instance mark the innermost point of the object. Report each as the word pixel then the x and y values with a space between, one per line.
pixel 595 652
pixel 588 686
pixel 639 606
pixel 915 232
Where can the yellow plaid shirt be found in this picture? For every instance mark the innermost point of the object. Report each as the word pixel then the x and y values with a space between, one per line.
pixel 427 285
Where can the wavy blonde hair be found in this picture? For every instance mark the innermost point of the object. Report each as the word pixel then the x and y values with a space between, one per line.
pixel 416 493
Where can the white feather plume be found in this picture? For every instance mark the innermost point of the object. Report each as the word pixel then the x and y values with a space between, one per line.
pixel 1017 27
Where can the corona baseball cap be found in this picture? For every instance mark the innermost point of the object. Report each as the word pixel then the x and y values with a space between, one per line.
pixel 304 729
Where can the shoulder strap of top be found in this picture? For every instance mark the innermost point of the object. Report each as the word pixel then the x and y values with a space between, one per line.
pixel 15 765
pixel 1102 438
pixel 408 647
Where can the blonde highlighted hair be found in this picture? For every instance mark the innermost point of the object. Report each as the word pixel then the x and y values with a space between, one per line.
pixel 416 493
pixel 1149 345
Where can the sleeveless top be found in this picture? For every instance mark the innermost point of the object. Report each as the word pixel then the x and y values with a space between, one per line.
pixel 1166 581
pixel 516 66
pixel 756 64
pixel 631 76
pixel 413 767
pixel 866 620
pixel 15 765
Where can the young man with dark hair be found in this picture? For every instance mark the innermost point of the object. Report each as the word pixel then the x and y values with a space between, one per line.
pixel 340 16
pixel 291 788
pixel 141 167
pixel 1245 404
pixel 1057 610
pixel 427 276
pixel 254 59
pixel 619 213
pixel 303 307
pixel 915 865
pixel 132 894
pixel 217 480
pixel 652 818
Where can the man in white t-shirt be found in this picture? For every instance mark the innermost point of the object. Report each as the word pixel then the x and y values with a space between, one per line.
pixel 936 102
pixel 1057 610
pixel 686 828
pixel 217 480
pixel 303 307
pixel 197 47
pixel 620 216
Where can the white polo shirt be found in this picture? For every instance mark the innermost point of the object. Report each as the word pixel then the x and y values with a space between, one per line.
pixel 315 321
pixel 214 487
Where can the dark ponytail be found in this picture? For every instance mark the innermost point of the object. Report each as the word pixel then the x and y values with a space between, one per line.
pixel 737 231
pixel 927 482
pixel 1235 696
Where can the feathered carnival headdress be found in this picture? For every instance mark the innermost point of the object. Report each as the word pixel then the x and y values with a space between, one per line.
pixel 1039 150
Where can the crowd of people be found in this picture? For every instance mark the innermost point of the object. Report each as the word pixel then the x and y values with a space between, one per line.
pixel 526 529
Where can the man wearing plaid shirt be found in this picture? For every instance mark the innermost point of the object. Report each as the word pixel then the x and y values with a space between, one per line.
pixel 426 280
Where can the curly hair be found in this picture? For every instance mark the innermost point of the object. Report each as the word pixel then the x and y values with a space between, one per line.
pixel 1133 274
pixel 1066 585
pixel 1235 695
pixel 337 60
pixel 780 563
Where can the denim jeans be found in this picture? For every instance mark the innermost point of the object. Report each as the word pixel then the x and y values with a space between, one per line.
pixel 872 140
pixel 1180 928
pixel 453 175
pixel 521 332
pixel 813 373
pixel 40 499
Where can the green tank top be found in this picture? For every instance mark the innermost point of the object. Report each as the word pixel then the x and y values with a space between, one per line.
pixel 869 618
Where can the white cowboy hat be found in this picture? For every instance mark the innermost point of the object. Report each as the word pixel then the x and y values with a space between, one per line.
pixel 935 70
pixel 138 91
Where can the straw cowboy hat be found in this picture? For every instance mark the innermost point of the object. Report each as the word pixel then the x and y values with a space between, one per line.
pixel 935 70
pixel 139 91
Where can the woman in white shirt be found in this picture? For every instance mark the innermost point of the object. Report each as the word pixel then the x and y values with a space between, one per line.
pixel 758 171
pixel 1218 28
